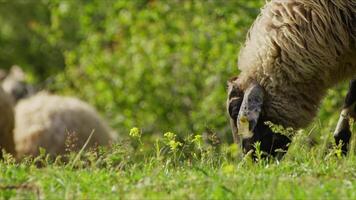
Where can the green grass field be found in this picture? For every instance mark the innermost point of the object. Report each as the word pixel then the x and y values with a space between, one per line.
pixel 185 169
pixel 160 66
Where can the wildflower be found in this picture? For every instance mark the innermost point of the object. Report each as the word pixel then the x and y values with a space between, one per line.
pixel 198 140
pixel 171 141
pixel 174 145
pixel 170 136
pixel 135 133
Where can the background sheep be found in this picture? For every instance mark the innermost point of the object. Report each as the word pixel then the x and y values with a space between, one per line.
pixel 45 121
pixel 6 123
pixel 294 52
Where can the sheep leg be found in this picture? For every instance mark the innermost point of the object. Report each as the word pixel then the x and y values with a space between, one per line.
pixel 342 132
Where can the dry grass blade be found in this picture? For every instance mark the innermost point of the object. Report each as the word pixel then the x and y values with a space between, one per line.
pixel 81 150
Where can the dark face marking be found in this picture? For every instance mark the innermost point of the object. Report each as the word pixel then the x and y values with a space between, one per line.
pixel 270 141
pixel 343 137
pixel 20 91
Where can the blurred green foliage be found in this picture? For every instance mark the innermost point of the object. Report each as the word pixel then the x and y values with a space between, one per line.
pixel 22 44
pixel 158 65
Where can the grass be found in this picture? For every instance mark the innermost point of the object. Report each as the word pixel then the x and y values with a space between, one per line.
pixel 186 168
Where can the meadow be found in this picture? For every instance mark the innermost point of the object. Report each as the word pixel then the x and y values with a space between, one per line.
pixel 190 169
pixel 157 71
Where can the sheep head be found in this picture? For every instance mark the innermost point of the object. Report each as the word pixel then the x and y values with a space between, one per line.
pixel 244 106
pixel 14 83
pixel 247 121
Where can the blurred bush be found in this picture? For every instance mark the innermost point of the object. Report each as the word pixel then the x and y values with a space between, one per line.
pixel 158 65
pixel 21 42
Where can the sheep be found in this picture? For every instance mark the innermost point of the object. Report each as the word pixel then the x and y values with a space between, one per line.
pixel 45 120
pixel 6 123
pixel 294 52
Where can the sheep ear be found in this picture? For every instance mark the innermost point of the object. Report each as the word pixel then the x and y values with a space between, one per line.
pixel 235 97
pixel 234 101
pixel 251 106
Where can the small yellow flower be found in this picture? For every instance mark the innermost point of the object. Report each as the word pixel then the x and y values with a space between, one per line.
pixel 198 140
pixel 135 133
pixel 170 135
pixel 174 144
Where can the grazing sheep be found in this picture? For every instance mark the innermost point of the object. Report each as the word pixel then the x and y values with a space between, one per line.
pixel 45 120
pixel 294 52
pixel 6 123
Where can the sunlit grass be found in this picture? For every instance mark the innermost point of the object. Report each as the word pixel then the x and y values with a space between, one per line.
pixel 183 168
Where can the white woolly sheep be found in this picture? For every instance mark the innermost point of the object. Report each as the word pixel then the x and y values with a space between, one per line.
pixel 6 123
pixel 45 120
pixel 294 52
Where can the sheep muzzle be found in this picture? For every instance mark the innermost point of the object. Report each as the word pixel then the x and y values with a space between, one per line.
pixel 244 108
pixel 251 107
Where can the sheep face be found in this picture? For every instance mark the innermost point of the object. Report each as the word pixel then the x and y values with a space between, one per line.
pixel 17 89
pixel 248 123
pixel 15 85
